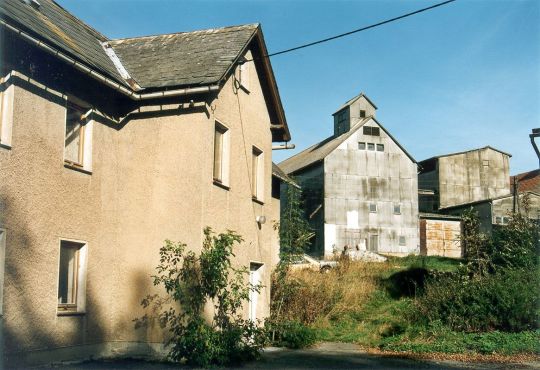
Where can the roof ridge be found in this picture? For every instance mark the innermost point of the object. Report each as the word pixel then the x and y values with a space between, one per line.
pixel 255 25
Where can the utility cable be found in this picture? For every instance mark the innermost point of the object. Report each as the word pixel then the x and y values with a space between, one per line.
pixel 354 31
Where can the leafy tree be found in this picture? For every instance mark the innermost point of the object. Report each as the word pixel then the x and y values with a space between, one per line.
pixel 191 282
pixel 294 230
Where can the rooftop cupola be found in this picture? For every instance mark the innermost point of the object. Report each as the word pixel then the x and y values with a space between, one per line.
pixel 353 111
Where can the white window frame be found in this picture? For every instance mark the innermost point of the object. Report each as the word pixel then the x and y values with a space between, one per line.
pixel 2 268
pixel 86 138
pixel 224 157
pixel 6 116
pixel 80 303
pixel 257 174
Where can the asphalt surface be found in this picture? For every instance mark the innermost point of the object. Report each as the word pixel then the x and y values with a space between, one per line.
pixel 323 356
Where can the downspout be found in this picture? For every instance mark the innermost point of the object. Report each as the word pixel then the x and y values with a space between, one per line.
pixel 535 133
pixel 106 80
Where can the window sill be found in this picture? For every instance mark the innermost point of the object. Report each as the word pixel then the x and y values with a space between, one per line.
pixel 219 184
pixel 5 146
pixel 254 199
pixel 76 168
pixel 70 313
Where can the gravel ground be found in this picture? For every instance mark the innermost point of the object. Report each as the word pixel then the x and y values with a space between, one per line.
pixel 324 356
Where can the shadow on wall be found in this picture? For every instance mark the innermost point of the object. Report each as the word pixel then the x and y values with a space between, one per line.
pixel 31 324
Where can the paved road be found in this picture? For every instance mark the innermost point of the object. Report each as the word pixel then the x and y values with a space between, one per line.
pixel 323 356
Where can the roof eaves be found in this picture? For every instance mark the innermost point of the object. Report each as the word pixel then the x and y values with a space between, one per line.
pixel 464 152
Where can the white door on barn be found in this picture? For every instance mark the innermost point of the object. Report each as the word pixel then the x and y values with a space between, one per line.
pixel 254 280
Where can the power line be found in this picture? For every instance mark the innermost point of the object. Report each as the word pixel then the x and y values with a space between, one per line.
pixel 355 31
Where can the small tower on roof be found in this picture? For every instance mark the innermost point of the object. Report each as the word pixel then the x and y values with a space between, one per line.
pixel 351 112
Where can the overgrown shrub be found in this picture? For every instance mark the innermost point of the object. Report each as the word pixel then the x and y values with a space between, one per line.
pixel 291 334
pixel 506 300
pixel 191 282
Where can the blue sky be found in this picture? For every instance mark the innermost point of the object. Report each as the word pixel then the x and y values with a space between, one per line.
pixel 458 77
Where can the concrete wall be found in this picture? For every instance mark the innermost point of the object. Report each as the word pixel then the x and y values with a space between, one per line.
pixel 473 176
pixel 440 238
pixel 504 207
pixel 151 180
pixel 355 178
pixel 352 114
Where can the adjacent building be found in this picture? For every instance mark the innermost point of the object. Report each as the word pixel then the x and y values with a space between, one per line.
pixel 360 186
pixel 109 147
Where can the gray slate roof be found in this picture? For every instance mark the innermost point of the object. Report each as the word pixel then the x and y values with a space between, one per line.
pixel 187 58
pixel 318 151
pixel 180 59
pixel 57 27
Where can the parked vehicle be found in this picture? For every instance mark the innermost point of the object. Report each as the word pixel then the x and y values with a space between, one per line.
pixel 306 261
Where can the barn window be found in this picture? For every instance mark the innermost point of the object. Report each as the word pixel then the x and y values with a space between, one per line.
pixel 373 207
pixel 371 146
pixel 402 241
pixel 373 131
pixel 380 147
pixel 362 146
pixel 397 209
pixel 362 113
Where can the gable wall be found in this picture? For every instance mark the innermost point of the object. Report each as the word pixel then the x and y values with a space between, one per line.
pixel 151 181
pixel 349 176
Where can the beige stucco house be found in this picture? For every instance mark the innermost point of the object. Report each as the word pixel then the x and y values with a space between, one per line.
pixel 109 147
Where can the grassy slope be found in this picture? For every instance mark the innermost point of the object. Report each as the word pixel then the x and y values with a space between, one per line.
pixel 367 310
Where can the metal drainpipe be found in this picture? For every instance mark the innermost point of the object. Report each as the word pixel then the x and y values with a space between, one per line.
pixel 535 133
pixel 109 82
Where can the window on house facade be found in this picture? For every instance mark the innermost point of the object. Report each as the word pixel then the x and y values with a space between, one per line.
pixel 362 113
pixel 371 146
pixel 257 173
pixel 6 116
pixel 373 207
pixel 362 146
pixel 485 162
pixel 221 154
pixel 402 241
pixel 380 147
pixel 373 131
pixel 505 220
pixel 78 138
pixel 397 209
pixel 498 219
pixel 71 276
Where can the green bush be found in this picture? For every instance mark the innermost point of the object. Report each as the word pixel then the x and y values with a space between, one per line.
pixel 506 300
pixel 291 334
pixel 191 282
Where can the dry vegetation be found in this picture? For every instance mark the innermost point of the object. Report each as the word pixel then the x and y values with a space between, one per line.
pixel 340 291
